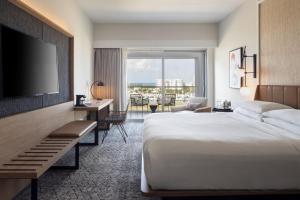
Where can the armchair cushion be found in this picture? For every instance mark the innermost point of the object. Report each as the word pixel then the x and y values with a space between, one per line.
pixel 193 106
pixel 203 109
pixel 202 100
pixel 178 108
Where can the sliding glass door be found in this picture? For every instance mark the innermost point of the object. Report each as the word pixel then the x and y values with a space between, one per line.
pixel 179 78
pixel 143 76
pixel 164 80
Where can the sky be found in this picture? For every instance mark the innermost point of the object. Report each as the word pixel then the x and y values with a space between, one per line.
pixel 149 70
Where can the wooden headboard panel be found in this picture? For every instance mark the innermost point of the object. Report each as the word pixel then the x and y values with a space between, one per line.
pixel 287 95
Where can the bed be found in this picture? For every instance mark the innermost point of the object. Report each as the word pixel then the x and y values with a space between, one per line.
pixel 230 155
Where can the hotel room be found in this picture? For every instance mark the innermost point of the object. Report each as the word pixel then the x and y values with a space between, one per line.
pixel 148 100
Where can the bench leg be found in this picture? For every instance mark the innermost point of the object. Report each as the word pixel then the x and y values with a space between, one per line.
pixel 96 140
pixel 34 189
pixel 96 134
pixel 97 129
pixel 76 166
pixel 77 156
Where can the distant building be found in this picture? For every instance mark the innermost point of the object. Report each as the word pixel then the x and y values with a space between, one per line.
pixel 171 82
pixel 141 84
pixel 190 84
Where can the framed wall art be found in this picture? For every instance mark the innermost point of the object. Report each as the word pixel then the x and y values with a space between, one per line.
pixel 235 64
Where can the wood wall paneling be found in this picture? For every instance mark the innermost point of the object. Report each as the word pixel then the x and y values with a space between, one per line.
pixel 287 95
pixel 20 131
pixel 299 98
pixel 18 18
pixel 71 68
pixel 280 42
pixel 36 14
pixel 290 91
pixel 62 43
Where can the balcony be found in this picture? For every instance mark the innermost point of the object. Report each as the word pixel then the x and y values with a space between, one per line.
pixel 152 95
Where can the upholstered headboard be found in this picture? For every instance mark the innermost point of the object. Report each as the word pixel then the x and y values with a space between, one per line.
pixel 287 95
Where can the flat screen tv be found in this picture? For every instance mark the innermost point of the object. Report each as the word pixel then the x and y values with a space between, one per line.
pixel 28 66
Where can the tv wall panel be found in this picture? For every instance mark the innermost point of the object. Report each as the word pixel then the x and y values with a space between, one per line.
pixel 17 19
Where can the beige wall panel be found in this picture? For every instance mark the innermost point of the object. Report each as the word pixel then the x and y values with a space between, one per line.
pixel 280 42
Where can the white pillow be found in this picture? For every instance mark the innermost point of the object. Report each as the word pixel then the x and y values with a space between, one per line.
pixel 262 106
pixel 283 125
pixel 248 113
pixel 287 115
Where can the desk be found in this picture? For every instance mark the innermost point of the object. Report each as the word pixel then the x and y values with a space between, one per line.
pixel 96 106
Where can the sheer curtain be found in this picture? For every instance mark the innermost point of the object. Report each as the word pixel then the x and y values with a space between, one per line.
pixel 110 68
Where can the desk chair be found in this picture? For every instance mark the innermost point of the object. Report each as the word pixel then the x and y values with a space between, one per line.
pixel 117 118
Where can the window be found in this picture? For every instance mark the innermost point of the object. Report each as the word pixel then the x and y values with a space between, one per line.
pixel 179 78
pixel 159 79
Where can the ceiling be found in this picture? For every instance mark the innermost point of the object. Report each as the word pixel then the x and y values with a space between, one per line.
pixel 158 11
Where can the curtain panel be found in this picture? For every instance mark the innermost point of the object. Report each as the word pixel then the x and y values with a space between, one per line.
pixel 110 68
pixel 201 75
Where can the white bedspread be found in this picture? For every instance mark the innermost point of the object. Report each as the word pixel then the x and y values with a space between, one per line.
pixel 218 151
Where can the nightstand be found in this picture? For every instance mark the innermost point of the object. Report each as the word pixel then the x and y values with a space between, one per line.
pixel 222 110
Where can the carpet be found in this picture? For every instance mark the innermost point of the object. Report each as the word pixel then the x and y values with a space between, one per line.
pixel 110 171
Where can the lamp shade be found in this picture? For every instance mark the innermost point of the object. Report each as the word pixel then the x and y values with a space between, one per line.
pixel 96 89
pixel 245 91
pixel 99 83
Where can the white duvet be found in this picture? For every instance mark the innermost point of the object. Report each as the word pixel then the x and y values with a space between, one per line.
pixel 194 151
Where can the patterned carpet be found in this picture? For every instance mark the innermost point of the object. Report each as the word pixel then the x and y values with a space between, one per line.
pixel 110 171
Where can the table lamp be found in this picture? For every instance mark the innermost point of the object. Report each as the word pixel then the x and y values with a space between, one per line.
pixel 96 88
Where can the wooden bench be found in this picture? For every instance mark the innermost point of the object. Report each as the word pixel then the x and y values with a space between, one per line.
pixel 35 161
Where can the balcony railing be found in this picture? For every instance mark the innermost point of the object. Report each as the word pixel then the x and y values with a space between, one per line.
pixel 154 95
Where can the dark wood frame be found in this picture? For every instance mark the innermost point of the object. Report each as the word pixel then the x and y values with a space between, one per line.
pixel 287 95
pixel 241 79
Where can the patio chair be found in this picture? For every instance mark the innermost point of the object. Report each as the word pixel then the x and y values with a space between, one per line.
pixel 116 118
pixel 170 100
pixel 138 100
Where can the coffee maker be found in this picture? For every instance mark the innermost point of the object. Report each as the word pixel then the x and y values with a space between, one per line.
pixel 80 99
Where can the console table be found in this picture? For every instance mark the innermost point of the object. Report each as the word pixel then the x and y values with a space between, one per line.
pixel 101 109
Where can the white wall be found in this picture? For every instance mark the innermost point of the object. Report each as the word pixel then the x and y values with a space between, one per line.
pixel 155 35
pixel 68 15
pixel 237 30
pixel 161 36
